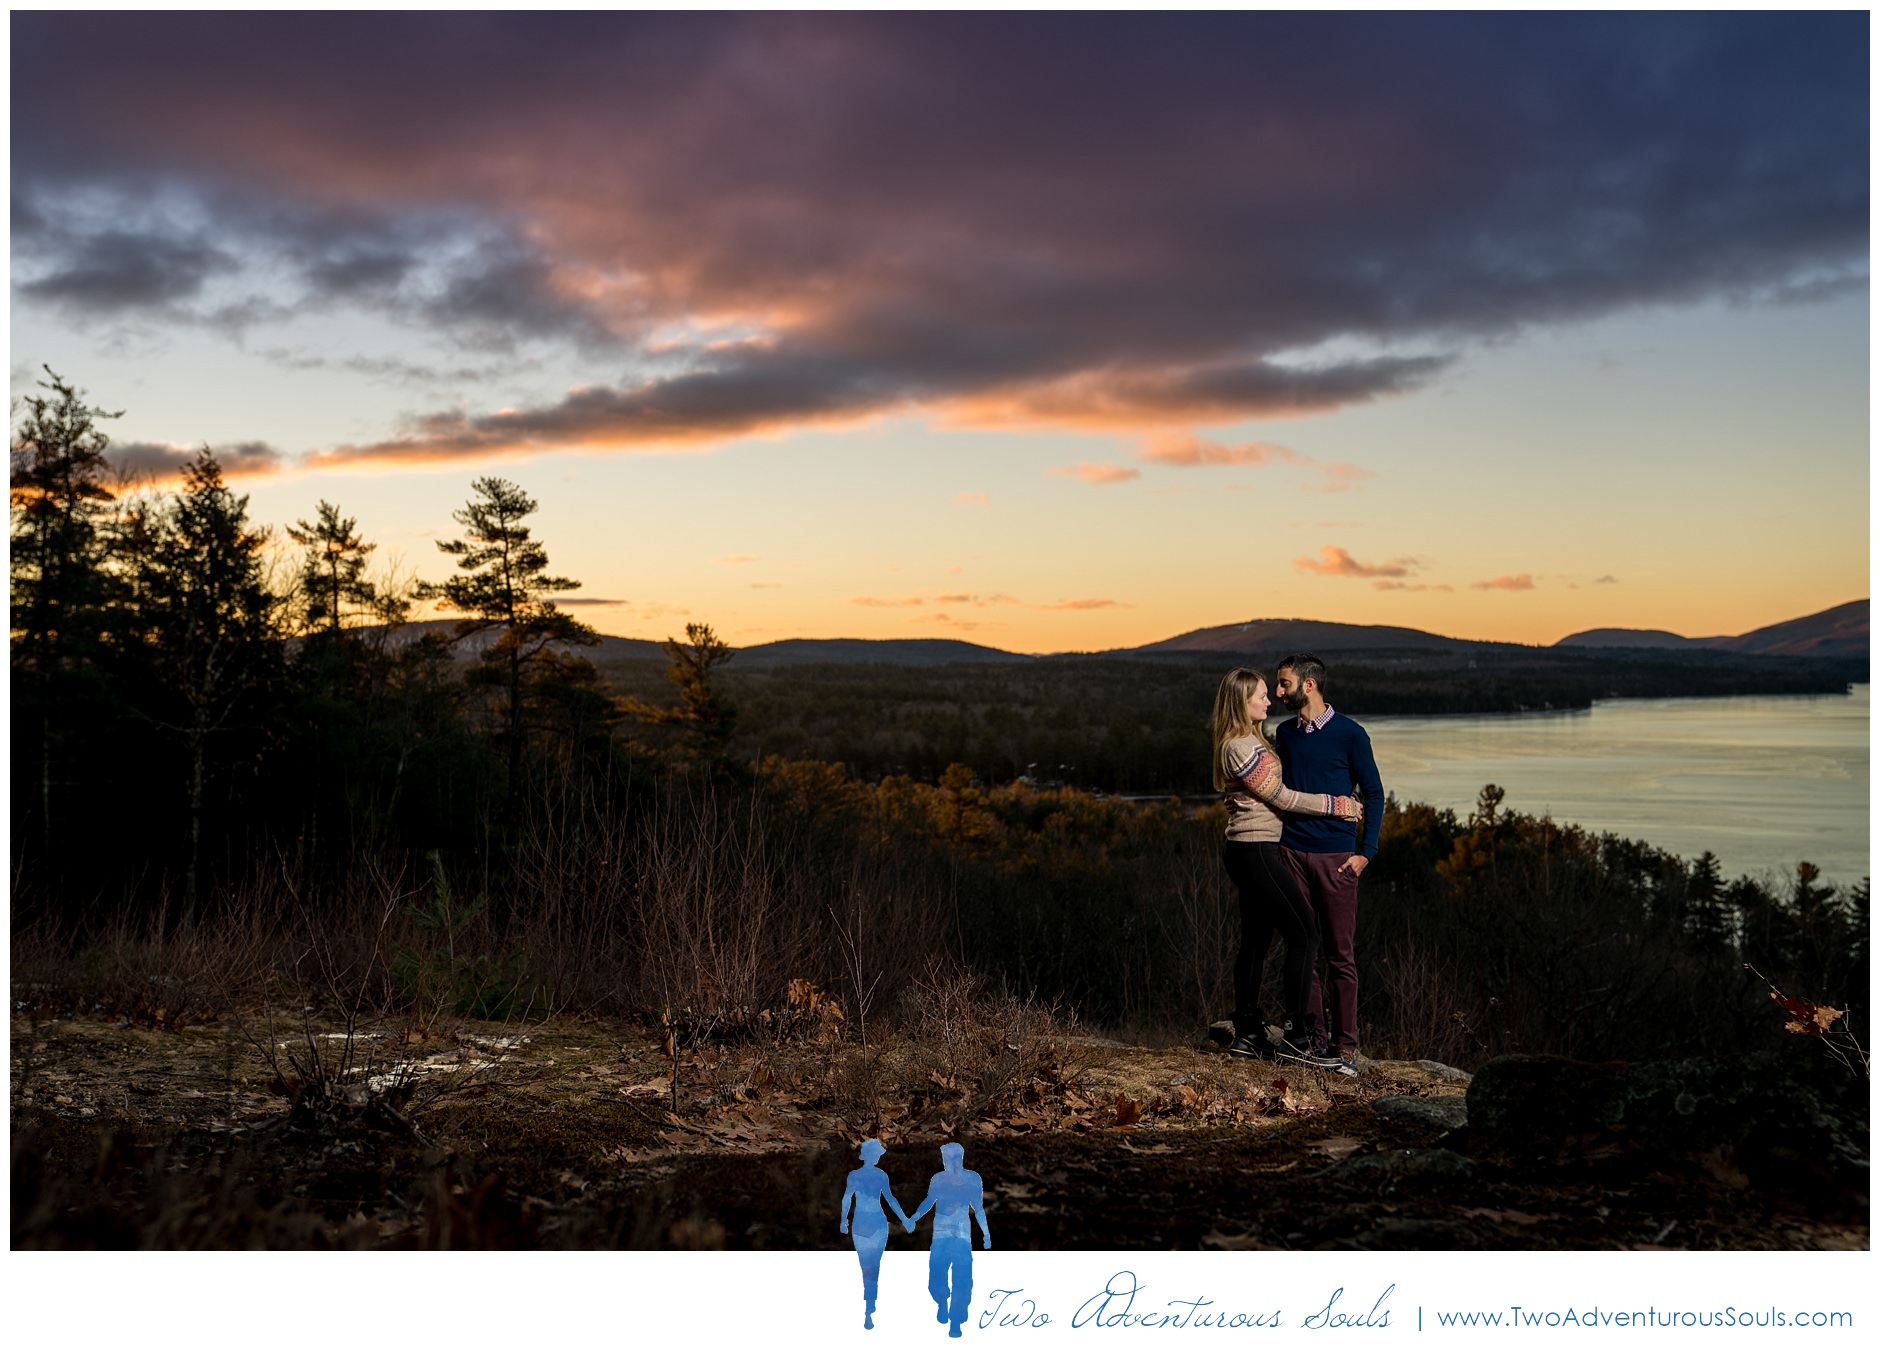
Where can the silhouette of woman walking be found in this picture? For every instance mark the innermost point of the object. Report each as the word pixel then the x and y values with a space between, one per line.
pixel 867 1185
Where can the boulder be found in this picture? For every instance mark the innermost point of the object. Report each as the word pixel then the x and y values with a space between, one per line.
pixel 1436 1112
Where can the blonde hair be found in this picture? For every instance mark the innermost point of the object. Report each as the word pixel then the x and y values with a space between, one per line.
pixel 1230 715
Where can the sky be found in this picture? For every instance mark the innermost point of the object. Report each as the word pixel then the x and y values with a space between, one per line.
pixel 1048 332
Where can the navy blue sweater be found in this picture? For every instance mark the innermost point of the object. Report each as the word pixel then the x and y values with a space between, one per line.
pixel 1334 760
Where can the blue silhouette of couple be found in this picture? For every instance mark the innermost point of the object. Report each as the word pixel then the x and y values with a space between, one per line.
pixel 956 1198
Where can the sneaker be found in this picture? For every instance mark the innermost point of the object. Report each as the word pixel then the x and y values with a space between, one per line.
pixel 1342 1061
pixel 1288 1052
pixel 1251 1047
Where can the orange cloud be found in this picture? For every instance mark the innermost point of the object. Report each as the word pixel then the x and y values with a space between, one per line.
pixel 1105 604
pixel 977 601
pixel 736 558
pixel 903 603
pixel 1402 586
pixel 1334 561
pixel 1096 474
pixel 972 498
pixel 1524 582
pixel 1189 450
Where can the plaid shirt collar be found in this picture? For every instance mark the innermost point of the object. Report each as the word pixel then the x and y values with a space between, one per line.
pixel 1323 719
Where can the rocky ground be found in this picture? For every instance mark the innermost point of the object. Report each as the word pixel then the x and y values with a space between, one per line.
pixel 299 1130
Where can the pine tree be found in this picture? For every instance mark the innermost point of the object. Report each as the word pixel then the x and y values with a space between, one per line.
pixel 59 588
pixel 703 718
pixel 502 586
pixel 1709 922
pixel 210 628
pixel 332 572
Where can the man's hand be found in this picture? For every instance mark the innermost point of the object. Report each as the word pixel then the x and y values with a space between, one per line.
pixel 1354 866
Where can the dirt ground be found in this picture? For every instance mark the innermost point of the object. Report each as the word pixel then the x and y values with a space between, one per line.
pixel 286 1131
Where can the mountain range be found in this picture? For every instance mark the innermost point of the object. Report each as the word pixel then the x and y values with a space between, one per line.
pixel 1838 632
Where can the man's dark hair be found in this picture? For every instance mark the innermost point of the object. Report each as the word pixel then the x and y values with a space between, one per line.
pixel 1305 667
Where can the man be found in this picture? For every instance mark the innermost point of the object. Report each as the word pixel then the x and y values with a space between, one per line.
pixel 1323 752
pixel 955 1196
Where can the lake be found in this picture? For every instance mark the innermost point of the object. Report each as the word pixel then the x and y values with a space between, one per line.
pixel 1761 780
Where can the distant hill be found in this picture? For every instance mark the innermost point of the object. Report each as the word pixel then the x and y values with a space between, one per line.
pixel 1636 638
pixel 785 652
pixel 891 651
pixel 1303 635
pixel 1840 632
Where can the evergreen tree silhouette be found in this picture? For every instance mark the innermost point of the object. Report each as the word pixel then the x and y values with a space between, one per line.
pixel 502 586
pixel 703 718
pixel 59 587
pixel 1709 922
pixel 333 582
pixel 211 628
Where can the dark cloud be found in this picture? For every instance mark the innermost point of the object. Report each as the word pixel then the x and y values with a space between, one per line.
pixel 115 271
pixel 246 458
pixel 1107 219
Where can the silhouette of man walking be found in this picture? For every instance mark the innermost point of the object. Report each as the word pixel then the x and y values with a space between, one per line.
pixel 956 1198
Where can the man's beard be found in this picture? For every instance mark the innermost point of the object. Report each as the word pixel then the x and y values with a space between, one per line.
pixel 1294 700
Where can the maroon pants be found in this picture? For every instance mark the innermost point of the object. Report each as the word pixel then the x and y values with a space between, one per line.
pixel 1334 899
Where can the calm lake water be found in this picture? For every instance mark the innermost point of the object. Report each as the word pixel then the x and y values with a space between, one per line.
pixel 1763 781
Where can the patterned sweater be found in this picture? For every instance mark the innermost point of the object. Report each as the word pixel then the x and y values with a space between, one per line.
pixel 1255 795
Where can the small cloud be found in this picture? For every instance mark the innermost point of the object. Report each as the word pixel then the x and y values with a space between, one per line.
pixel 977 601
pixel 1334 561
pixel 765 585
pixel 902 603
pixel 1606 581
pixel 972 498
pixel 1104 604
pixel 735 558
pixel 1341 477
pixel 1405 586
pixel 1337 524
pixel 1096 474
pixel 1189 450
pixel 1524 582
pixel 579 600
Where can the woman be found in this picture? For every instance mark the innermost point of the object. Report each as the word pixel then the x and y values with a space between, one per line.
pixel 867 1185
pixel 1247 769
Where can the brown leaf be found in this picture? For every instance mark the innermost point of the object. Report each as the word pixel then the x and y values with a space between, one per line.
pixel 1128 1112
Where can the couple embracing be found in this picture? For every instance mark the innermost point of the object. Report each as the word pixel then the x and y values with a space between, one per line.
pixel 1304 807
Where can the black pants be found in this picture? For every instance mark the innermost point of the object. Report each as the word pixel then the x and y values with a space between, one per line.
pixel 1270 900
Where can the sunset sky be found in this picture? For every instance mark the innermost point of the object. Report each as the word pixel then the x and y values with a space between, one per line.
pixel 1049 332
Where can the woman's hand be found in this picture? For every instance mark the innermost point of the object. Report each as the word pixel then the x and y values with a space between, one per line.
pixel 1346 808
